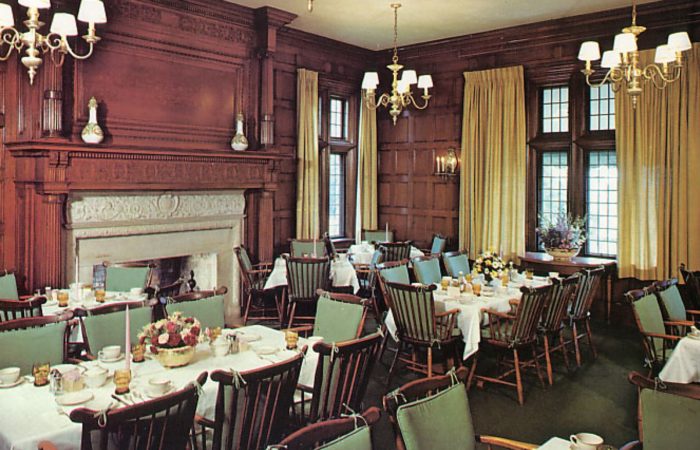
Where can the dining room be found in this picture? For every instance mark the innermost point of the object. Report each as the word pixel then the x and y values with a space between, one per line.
pixel 252 224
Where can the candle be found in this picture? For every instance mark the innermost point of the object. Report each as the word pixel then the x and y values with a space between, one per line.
pixel 386 233
pixel 77 276
pixel 314 246
pixel 437 164
pixel 127 344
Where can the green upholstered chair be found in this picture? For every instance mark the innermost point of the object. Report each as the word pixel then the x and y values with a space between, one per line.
pixel 307 248
pixel 305 276
pixel 8 286
pixel 656 341
pixel 456 262
pixel 419 326
pixel 122 279
pixel 339 317
pixel 33 340
pixel 330 246
pixel 396 251
pixel 347 433
pixel 427 269
pixel 252 407
pixel 692 285
pixel 257 302
pixel 20 309
pixel 513 333
pixel 394 272
pixel 104 325
pixel 367 277
pixel 205 306
pixel 552 324
pixel 669 414
pixel 437 245
pixel 672 305
pixel 579 316
pixel 375 236
pixel 433 413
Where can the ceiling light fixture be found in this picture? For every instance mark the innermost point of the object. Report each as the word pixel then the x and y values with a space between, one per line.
pixel 56 42
pixel 401 96
pixel 622 61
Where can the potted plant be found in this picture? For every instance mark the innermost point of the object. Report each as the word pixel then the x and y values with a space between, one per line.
pixel 172 340
pixel 562 238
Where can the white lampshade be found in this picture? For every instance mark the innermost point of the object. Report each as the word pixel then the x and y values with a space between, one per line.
pixel 92 11
pixel 403 86
pixel 590 51
pixel 64 24
pixel 425 81
pixel 664 54
pixel 624 43
pixel 370 80
pixel 610 59
pixel 410 76
pixel 40 4
pixel 7 19
pixel 679 42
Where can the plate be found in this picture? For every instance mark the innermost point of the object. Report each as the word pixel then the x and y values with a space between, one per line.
pixel 249 336
pixel 111 360
pixel 266 350
pixel 19 381
pixel 74 398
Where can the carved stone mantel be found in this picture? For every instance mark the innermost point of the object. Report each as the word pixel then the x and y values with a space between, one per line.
pixel 47 173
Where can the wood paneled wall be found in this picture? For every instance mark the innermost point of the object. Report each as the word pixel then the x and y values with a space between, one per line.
pixel 412 200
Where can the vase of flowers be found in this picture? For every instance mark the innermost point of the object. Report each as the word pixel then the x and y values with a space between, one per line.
pixel 488 264
pixel 172 340
pixel 562 238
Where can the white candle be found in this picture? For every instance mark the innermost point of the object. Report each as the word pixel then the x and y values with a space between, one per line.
pixel 127 343
pixel 77 276
pixel 386 233
pixel 314 254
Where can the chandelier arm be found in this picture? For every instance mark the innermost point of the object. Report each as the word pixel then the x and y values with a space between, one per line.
pixel 426 99
pixel 13 41
pixel 62 59
pixel 75 55
pixel 384 100
pixel 610 76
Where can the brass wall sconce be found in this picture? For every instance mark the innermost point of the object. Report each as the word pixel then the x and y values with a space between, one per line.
pixel 448 165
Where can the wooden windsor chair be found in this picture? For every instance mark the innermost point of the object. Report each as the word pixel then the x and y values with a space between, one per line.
pixel 580 313
pixel 21 309
pixel 258 302
pixel 396 251
pixel 551 328
pixel 305 276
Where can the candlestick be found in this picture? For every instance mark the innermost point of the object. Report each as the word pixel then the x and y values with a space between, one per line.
pixel 77 278
pixel 386 233
pixel 127 344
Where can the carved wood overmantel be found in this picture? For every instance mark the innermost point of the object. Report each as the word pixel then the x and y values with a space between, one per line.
pixel 46 173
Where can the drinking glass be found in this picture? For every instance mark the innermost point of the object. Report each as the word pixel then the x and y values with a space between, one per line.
pixel 122 378
pixel 41 373
pixel 291 338
pixel 476 288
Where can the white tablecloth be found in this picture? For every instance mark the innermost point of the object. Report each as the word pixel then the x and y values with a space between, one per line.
pixel 29 414
pixel 362 253
pixel 342 274
pixel 88 302
pixel 684 364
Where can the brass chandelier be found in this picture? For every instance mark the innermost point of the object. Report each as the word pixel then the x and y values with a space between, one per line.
pixel 56 42
pixel 623 65
pixel 401 96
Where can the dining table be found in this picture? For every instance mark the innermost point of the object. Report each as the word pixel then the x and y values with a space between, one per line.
pixel 683 366
pixel 30 414
pixel 342 274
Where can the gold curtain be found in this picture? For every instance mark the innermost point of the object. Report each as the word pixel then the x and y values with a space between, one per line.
pixel 657 154
pixel 492 180
pixel 367 173
pixel 307 155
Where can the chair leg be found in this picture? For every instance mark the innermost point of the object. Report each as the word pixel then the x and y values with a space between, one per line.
pixel 576 345
pixel 537 364
pixel 547 358
pixel 590 338
pixel 472 371
pixel 430 361
pixel 247 308
pixel 393 363
pixel 291 314
pixel 518 380
pixel 565 352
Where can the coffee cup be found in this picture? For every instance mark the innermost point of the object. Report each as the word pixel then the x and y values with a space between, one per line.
pixel 158 386
pixel 220 347
pixel 585 441
pixel 9 375
pixel 110 352
pixel 95 377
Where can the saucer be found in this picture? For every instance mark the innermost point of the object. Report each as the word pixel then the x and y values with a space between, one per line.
pixel 74 398
pixel 111 360
pixel 19 381
pixel 266 350
pixel 249 336
pixel 154 395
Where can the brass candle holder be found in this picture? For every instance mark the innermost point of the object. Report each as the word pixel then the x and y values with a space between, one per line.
pixel 122 379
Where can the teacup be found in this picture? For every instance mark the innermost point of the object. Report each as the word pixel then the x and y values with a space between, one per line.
pixel 9 375
pixel 158 386
pixel 220 347
pixel 136 291
pixel 585 441
pixel 109 352
pixel 95 377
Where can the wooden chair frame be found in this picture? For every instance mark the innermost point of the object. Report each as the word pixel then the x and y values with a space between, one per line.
pixel 580 315
pixel 295 291
pixel 425 387
pixel 367 277
pixel 396 251
pixel 321 242
pixel 330 246
pixel 551 327
pixel 446 255
pixel 692 285
pixel 692 315
pixel 252 281
pixel 21 309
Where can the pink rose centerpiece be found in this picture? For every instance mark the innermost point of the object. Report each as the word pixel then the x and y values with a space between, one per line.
pixel 172 340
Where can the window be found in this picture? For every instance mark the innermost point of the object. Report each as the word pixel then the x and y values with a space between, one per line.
pixel 555 109
pixel 601 108
pixel 336 184
pixel 601 203
pixel 553 184
pixel 338 118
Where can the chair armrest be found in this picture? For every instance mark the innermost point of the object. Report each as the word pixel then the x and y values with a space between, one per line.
pixel 46 445
pixel 682 323
pixel 505 443
pixel 305 389
pixel 260 271
pixel 302 329
pixel 447 313
pixel 262 266
pixel 203 421
pixel 501 315
pixel 663 336
pixel 693 312
pixel 632 445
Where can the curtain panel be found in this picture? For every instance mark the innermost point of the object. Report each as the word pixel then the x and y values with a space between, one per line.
pixel 493 161
pixel 307 155
pixel 367 171
pixel 658 151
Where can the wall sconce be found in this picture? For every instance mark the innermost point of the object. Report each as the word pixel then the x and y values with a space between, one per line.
pixel 447 166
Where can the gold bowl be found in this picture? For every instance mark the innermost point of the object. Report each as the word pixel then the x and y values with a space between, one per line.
pixel 175 357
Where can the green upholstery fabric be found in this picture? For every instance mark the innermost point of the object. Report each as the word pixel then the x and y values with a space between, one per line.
pixel 358 439
pixel 674 303
pixel 438 245
pixel 398 274
pixel 337 321
pixel 377 236
pixel 122 279
pixel 427 271
pixel 669 421
pixel 456 264
pixel 245 259
pixel 439 422
pixel 108 329
pixel 8 287
pixel 650 318
pixel 23 348
pixel 301 249
pixel 209 311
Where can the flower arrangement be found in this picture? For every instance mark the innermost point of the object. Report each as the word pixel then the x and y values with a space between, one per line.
pixel 174 332
pixel 565 232
pixel 488 264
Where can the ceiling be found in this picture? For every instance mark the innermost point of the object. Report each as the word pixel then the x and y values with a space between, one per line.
pixel 368 23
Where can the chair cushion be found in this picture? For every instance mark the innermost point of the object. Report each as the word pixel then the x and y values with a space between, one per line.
pixel 674 303
pixel 398 274
pixel 337 321
pixel 122 279
pixel 439 422
pixel 32 345
pixel 209 311
pixel 669 421
pixel 358 439
pixel 438 245
pixel 8 287
pixel 456 264
pixel 427 271
pixel 650 318
pixel 108 329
